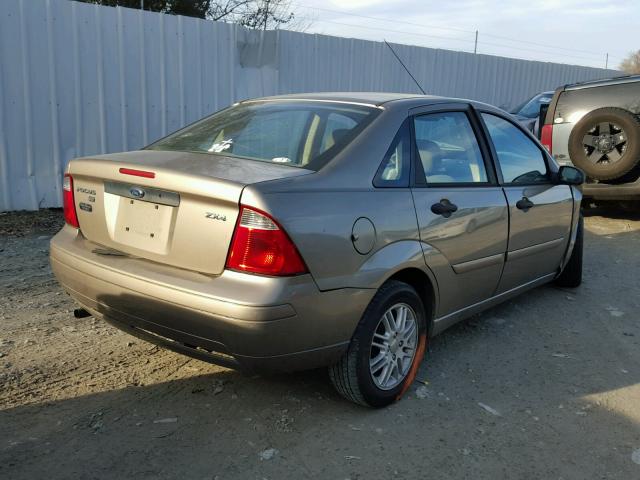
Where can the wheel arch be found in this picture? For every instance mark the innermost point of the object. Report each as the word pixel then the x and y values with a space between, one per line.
pixel 424 286
pixel 405 261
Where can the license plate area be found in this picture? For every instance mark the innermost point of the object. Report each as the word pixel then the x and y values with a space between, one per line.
pixel 143 225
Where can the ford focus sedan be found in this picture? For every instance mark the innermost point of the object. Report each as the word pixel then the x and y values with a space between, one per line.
pixel 337 230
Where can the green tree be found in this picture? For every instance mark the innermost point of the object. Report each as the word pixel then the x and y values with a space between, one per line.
pixel 631 64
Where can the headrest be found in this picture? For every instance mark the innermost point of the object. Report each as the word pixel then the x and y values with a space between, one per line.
pixel 335 136
pixel 430 154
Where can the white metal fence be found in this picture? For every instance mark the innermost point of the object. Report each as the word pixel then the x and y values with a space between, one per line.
pixel 79 79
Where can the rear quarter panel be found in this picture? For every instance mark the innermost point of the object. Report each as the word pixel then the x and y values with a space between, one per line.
pixel 321 224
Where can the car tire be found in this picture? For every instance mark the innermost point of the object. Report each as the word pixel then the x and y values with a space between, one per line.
pixel 586 157
pixel 352 375
pixel 571 275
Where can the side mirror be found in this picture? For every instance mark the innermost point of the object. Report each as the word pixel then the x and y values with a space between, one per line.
pixel 570 176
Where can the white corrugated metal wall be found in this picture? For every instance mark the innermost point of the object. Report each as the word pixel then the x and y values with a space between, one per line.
pixel 79 79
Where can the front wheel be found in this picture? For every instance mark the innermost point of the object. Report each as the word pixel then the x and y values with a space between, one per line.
pixel 386 349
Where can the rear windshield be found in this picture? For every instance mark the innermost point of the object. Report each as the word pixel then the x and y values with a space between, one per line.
pixel 297 133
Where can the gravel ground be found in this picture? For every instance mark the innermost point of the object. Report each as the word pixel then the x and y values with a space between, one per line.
pixel 546 386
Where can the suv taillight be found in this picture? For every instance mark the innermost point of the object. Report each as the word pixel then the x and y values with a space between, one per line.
pixel 260 245
pixel 546 137
pixel 68 202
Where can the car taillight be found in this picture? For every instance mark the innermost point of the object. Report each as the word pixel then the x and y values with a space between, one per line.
pixel 68 202
pixel 260 245
pixel 546 137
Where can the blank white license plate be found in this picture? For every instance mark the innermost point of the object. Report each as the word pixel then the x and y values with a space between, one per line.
pixel 143 225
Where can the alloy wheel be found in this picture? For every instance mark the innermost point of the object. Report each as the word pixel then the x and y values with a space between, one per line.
pixel 606 143
pixel 394 346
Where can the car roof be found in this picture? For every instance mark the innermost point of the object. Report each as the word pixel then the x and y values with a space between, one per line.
pixel 603 82
pixel 373 99
pixel 369 98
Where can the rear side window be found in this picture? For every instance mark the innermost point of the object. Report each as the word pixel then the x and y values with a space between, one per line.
pixel 448 149
pixel 394 169
pixel 295 133
pixel 520 160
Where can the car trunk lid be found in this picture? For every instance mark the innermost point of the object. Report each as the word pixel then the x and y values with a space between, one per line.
pixel 174 208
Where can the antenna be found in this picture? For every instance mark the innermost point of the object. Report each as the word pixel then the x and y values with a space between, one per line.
pixel 404 66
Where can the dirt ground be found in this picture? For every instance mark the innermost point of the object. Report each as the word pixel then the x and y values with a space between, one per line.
pixel 543 387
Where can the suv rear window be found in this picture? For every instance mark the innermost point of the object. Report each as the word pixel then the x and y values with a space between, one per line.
pixel 297 133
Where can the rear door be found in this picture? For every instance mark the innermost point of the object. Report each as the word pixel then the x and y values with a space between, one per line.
pixel 462 212
pixel 540 211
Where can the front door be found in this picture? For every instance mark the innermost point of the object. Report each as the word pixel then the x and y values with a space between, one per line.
pixel 539 211
pixel 462 212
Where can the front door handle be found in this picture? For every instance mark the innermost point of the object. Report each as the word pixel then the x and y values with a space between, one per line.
pixel 444 207
pixel 524 204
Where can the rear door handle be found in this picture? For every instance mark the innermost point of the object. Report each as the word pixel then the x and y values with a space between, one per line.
pixel 524 204
pixel 444 207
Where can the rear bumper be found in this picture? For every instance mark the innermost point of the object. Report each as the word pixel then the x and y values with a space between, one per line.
pixel 605 191
pixel 248 322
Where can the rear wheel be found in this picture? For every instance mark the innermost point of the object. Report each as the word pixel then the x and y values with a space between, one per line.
pixel 386 349
pixel 571 275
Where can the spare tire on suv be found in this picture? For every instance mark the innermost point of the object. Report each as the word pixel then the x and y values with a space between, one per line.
pixel 605 143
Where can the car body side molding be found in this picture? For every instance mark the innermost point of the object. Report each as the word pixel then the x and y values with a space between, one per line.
pixel 478 263
pixel 533 249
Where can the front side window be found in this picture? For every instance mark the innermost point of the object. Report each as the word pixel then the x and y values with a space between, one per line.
pixel 448 149
pixel 519 158
pixel 300 134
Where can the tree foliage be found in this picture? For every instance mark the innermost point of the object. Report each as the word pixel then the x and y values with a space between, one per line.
pixel 257 14
pixel 631 64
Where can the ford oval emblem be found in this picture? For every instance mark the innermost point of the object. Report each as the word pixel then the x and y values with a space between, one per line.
pixel 136 192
